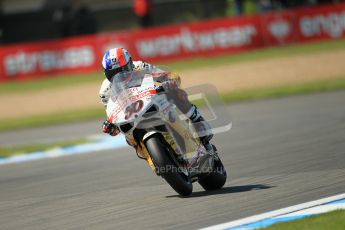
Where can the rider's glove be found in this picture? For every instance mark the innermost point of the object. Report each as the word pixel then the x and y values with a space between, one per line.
pixel 169 85
pixel 110 128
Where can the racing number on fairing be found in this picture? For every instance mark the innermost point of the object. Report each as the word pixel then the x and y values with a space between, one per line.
pixel 133 108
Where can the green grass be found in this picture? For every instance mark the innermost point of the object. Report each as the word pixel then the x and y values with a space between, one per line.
pixel 51 119
pixel 55 81
pixel 10 151
pixel 274 52
pixel 232 97
pixel 332 220
pixel 70 80
pixel 282 91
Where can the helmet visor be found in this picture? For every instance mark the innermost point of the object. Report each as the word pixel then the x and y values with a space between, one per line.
pixel 110 73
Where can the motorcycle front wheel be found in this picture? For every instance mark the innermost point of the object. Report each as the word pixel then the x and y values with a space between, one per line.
pixel 216 179
pixel 166 167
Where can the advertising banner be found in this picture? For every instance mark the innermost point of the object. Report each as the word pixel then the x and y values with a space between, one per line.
pixel 198 39
pixel 320 23
pixel 39 59
pixel 204 38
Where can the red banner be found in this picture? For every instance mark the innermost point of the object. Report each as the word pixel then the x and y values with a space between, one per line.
pixel 39 59
pixel 230 35
pixel 322 23
pixel 199 39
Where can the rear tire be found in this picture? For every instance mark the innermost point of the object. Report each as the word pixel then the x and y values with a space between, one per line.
pixel 161 155
pixel 216 179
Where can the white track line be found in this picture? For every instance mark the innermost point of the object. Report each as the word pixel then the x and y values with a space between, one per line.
pixel 316 210
pixel 275 213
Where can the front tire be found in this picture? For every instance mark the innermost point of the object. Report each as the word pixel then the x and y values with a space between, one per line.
pixel 161 155
pixel 216 179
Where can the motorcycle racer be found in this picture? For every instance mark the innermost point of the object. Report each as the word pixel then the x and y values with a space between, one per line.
pixel 118 60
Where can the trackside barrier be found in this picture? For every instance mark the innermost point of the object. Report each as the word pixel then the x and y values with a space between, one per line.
pixel 227 35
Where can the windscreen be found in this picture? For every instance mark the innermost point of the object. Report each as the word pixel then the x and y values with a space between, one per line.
pixel 126 80
pixel 131 79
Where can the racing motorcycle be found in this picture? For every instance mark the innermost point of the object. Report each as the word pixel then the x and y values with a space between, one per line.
pixel 161 134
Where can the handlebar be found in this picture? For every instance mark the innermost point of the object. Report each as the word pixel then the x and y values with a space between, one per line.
pixel 160 89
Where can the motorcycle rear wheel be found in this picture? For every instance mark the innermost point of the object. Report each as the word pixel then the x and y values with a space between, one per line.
pixel 161 156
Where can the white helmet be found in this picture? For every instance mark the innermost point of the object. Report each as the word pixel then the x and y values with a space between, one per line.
pixel 116 60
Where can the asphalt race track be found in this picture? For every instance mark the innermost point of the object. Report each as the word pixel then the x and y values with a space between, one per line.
pixel 279 153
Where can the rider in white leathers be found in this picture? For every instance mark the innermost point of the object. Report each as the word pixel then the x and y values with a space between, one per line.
pixel 117 60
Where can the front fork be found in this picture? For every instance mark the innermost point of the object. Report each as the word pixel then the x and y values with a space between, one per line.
pixel 147 155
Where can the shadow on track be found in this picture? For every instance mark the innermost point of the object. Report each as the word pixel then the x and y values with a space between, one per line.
pixel 226 190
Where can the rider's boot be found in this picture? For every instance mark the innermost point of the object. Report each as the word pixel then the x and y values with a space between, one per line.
pixel 201 126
